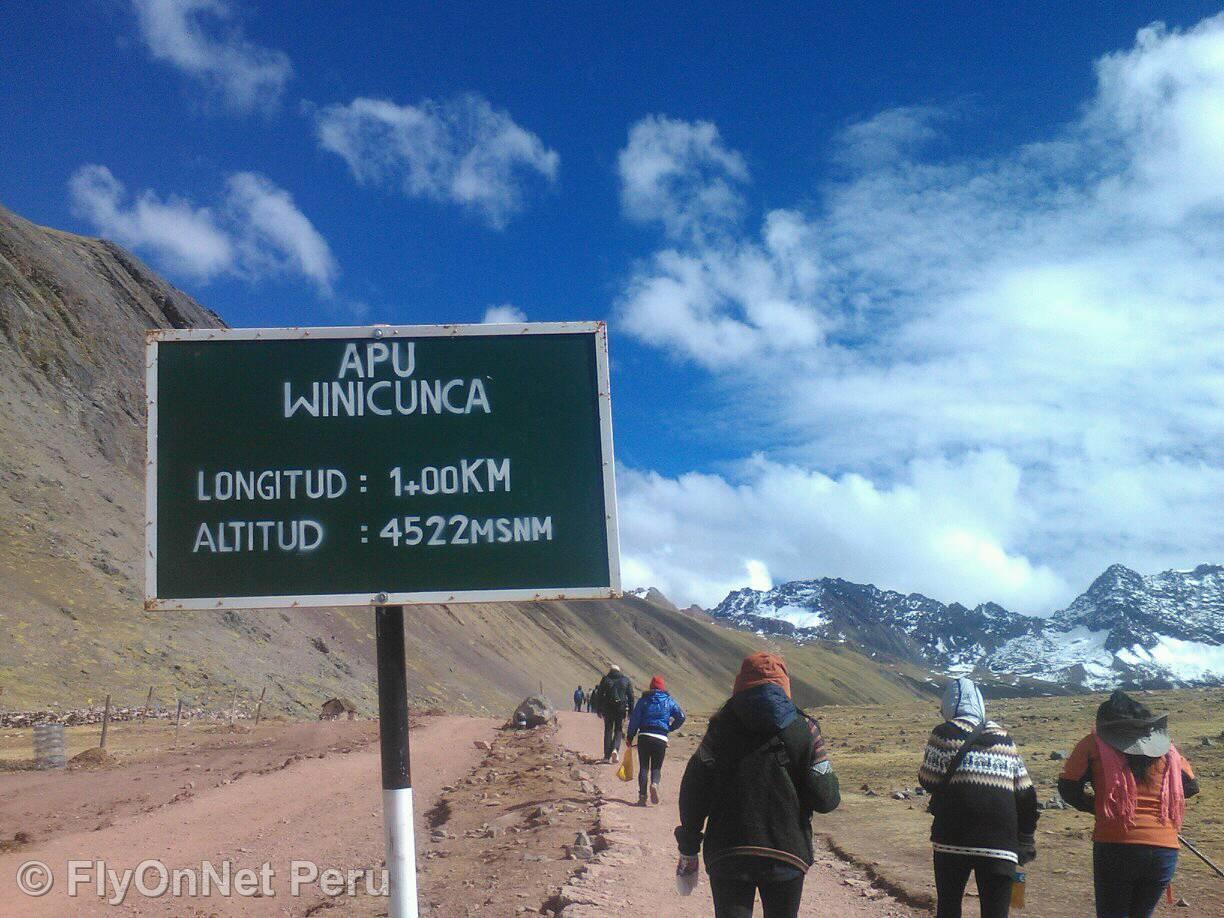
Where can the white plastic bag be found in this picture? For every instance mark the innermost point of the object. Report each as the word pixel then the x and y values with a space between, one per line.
pixel 686 875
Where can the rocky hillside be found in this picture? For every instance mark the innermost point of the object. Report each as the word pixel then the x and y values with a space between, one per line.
pixel 73 312
pixel 1158 631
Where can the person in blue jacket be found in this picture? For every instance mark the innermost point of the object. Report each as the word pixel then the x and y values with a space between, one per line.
pixel 654 716
pixel 578 698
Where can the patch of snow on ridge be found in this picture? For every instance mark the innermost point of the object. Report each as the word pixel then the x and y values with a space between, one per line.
pixel 1051 655
pixel 1190 661
pixel 799 616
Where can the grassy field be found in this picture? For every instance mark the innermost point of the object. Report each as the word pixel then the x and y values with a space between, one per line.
pixel 880 747
pixel 126 741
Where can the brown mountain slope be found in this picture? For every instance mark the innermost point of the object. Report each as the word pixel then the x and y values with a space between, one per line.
pixel 72 316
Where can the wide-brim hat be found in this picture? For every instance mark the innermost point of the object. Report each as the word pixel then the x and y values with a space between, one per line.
pixel 1131 728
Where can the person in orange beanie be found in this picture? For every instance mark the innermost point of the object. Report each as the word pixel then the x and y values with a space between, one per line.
pixel 749 792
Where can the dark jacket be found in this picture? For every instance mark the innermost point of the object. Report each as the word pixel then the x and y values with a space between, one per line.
pixel 614 695
pixel 655 713
pixel 754 782
pixel 990 800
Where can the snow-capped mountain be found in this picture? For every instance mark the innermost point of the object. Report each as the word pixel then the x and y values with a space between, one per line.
pixel 1125 629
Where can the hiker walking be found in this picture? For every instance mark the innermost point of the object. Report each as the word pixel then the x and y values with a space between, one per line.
pixel 654 716
pixel 983 801
pixel 752 786
pixel 590 699
pixel 614 699
pixel 1140 783
pixel 578 698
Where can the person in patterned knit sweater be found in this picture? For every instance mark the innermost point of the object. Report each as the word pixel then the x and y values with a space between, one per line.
pixel 985 812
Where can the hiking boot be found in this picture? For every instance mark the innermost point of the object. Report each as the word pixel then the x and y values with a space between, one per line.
pixel 654 794
pixel 612 759
pixel 642 800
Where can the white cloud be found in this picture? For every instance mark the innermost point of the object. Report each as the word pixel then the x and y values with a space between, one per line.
pixel 721 304
pixel 504 314
pixel 254 231
pixel 462 150
pixel 943 532
pixel 186 237
pixel 275 233
pixel 681 174
pixel 1056 306
pixel 197 37
pixel 889 136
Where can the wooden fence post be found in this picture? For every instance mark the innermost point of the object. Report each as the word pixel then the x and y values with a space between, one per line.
pixel 234 709
pixel 178 719
pixel 144 713
pixel 105 722
pixel 259 705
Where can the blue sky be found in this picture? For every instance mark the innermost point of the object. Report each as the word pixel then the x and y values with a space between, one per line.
pixel 910 293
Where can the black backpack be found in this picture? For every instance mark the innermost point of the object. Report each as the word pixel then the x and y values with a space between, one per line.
pixel 757 794
pixel 610 697
pixel 624 694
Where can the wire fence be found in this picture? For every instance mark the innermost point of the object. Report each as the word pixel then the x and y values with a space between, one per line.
pixel 238 706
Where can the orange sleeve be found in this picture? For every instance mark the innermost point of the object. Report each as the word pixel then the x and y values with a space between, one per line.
pixel 1080 761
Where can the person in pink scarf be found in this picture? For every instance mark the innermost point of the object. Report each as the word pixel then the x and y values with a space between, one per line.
pixel 1140 784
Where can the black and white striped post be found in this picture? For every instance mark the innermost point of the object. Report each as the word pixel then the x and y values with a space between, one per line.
pixel 396 766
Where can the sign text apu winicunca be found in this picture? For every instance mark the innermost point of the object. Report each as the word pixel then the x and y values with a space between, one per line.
pixel 357 389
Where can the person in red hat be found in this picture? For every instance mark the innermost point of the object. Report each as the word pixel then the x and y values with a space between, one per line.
pixel 654 716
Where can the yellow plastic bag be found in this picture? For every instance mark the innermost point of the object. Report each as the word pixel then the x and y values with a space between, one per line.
pixel 625 772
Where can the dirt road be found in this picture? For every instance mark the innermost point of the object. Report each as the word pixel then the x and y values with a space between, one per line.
pixel 641 875
pixel 246 801
pixel 495 826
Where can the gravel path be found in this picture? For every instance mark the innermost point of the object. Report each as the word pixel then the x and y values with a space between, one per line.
pixel 640 877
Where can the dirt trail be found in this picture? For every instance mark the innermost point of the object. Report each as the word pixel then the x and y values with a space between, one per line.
pixel 325 809
pixel 640 865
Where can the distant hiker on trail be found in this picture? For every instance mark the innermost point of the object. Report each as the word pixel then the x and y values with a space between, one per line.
pixel 984 803
pixel 752 785
pixel 1140 783
pixel 654 716
pixel 590 699
pixel 578 698
pixel 613 700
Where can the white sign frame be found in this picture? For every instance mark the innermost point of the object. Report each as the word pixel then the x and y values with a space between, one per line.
pixel 386 332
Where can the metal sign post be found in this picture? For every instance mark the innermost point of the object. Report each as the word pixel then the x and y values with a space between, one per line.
pixel 396 764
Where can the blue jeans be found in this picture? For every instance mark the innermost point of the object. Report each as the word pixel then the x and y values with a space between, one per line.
pixel 1130 879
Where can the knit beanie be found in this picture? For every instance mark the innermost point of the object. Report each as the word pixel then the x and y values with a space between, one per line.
pixel 762 668
pixel 656 684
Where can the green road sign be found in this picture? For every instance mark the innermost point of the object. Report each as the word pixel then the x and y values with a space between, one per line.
pixel 382 465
